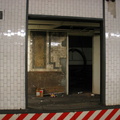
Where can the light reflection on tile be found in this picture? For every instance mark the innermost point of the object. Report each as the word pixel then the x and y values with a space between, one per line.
pixel 9 33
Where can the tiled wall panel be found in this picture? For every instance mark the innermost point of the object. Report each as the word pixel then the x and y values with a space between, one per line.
pixel 112 55
pixel 79 8
pixel 12 54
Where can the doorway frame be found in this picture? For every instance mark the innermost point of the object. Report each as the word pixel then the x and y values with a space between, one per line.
pixel 102 48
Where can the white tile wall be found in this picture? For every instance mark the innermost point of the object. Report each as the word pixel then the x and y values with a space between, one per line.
pixel 79 8
pixel 112 56
pixel 12 44
pixel 12 54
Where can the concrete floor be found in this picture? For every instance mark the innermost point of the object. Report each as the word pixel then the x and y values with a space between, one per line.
pixel 64 103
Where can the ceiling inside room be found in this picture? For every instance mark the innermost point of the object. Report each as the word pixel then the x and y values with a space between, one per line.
pixel 72 27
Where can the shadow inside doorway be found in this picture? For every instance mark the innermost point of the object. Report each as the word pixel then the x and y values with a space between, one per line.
pixel 80 64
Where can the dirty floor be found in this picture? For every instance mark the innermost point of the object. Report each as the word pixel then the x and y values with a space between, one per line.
pixel 62 102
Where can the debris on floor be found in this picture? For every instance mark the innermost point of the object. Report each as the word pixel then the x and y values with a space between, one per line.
pixel 52 95
pixel 39 92
pixel 80 92
pixel 92 95
pixel 61 101
pixel 57 94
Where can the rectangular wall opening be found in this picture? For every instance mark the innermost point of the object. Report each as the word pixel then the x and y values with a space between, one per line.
pixel 62 64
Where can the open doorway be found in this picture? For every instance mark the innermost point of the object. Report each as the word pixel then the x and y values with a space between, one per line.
pixel 84 64
pixel 80 64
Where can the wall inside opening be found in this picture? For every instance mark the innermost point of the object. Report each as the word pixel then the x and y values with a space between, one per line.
pixel 46 61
